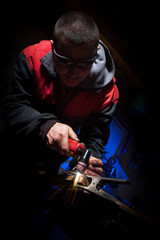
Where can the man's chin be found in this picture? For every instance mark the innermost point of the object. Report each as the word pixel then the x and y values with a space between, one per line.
pixel 70 82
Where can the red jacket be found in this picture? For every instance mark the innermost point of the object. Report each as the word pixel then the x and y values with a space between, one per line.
pixel 40 99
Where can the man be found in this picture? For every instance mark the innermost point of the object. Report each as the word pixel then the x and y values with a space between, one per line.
pixel 64 88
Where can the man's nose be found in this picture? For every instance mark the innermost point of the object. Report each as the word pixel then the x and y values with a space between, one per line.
pixel 73 71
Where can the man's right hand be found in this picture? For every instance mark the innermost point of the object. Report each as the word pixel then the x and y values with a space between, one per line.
pixel 57 138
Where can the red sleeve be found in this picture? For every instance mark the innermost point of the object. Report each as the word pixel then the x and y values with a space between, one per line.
pixel 108 96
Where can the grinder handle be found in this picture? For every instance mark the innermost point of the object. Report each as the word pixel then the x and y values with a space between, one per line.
pixel 76 148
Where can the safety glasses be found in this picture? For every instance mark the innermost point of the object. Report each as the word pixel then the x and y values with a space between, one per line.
pixel 69 62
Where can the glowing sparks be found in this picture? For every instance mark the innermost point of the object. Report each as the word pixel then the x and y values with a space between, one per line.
pixel 76 179
pixel 54 193
pixel 71 183
pixel 80 179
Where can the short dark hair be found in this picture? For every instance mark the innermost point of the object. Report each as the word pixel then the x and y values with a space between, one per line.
pixel 77 28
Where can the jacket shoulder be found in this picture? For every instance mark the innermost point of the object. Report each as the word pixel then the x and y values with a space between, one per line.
pixel 36 51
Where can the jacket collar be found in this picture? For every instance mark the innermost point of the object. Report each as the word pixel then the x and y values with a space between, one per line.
pixel 48 63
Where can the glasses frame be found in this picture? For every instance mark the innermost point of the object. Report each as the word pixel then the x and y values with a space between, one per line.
pixel 70 63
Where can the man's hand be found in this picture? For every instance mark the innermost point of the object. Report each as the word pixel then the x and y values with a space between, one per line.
pixel 57 138
pixel 94 167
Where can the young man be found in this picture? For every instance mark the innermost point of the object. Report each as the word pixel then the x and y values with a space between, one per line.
pixel 63 88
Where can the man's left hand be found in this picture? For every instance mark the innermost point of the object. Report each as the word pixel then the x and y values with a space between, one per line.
pixel 95 167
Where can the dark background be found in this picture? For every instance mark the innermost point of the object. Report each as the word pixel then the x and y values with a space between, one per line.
pixel 131 31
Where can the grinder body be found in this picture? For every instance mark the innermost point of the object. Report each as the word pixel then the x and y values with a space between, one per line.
pixel 80 155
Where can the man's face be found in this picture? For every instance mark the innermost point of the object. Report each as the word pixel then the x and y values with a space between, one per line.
pixel 75 66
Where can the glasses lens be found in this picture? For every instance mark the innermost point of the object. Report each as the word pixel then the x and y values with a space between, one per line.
pixel 87 63
pixel 84 64
pixel 69 63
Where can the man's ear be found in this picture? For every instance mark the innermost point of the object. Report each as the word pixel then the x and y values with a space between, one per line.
pixel 98 47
